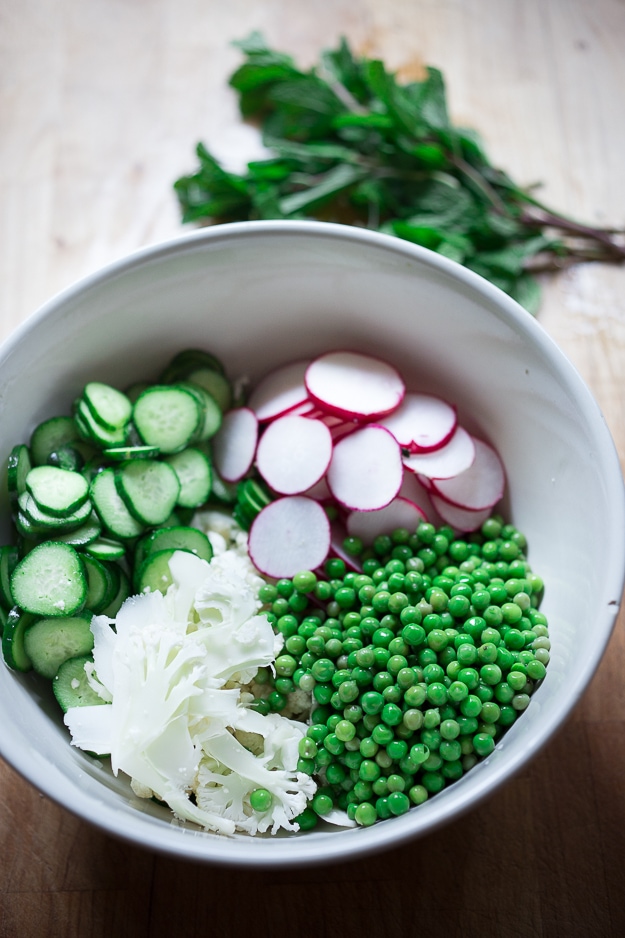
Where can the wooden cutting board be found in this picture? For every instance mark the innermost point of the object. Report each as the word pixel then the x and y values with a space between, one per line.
pixel 101 104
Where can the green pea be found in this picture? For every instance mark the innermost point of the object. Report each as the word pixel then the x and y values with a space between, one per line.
pixel 261 800
pixel 483 744
pixel 382 734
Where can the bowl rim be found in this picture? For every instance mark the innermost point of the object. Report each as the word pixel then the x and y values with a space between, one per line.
pixel 394 832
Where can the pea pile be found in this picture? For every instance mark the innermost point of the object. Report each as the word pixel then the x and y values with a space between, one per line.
pixel 416 666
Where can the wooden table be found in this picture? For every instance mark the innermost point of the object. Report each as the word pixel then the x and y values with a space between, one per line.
pixel 101 104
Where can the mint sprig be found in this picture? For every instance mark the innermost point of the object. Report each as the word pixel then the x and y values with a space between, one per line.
pixel 352 144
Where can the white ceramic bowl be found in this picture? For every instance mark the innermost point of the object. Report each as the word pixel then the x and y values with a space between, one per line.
pixel 259 294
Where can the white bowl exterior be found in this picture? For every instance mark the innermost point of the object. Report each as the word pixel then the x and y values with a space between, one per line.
pixel 261 294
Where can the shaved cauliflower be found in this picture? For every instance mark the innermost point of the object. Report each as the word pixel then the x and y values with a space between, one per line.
pixel 174 673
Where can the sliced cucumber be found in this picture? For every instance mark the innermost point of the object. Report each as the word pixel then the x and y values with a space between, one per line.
pixel 223 492
pixel 50 581
pixel 101 587
pixel 188 360
pixel 81 536
pixel 212 414
pixel 122 453
pixel 181 538
pixel 48 523
pixel 50 642
pixel 50 436
pixel 104 548
pixel 8 561
pixel 195 475
pixel 217 385
pixel 19 465
pixel 13 650
pixel 93 430
pixel 71 687
pixel 154 574
pixel 111 408
pixel 111 508
pixel 167 417
pixel 56 491
pixel 149 488
pixel 123 592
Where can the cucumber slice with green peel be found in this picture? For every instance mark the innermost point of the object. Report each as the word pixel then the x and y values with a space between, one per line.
pixel 13 650
pixel 67 457
pixel 50 642
pixel 111 408
pixel 56 491
pixel 133 391
pixel 50 581
pixel 189 360
pixel 104 548
pixel 9 558
pixel 111 507
pixel 195 475
pixel 216 383
pixel 167 417
pixel 222 491
pixel 101 587
pixel 181 538
pixel 49 436
pixel 91 429
pixel 4 615
pixel 50 524
pixel 123 592
pixel 123 453
pixel 149 489
pixel 71 687
pixel 154 574
pixel 211 410
pixel 19 465
pixel 81 536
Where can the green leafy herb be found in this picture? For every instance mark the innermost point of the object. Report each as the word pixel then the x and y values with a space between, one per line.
pixel 352 144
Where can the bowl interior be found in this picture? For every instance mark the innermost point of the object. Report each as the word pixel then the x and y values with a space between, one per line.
pixel 261 294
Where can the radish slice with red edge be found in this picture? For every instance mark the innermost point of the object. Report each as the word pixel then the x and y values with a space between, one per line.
pixel 480 486
pixel 293 454
pixel 448 461
pixel 319 491
pixel 460 519
pixel 422 422
pixel 366 470
pixel 288 536
pixel 354 385
pixel 280 391
pixel 234 444
pixel 414 491
pixel 400 513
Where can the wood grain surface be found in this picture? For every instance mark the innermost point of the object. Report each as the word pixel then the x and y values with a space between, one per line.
pixel 101 104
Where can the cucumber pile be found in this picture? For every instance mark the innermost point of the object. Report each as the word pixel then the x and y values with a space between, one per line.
pixel 100 500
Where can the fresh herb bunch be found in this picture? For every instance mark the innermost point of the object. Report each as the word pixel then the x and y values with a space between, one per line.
pixel 353 145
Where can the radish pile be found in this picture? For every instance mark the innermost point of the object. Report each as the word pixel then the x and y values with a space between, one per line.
pixel 342 429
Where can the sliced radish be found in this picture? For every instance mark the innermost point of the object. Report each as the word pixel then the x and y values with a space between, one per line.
pixel 280 391
pixel 234 444
pixel 480 486
pixel 414 491
pixel 354 385
pixel 422 422
pixel 294 453
pixel 460 518
pixel 400 513
pixel 289 535
pixel 448 461
pixel 366 470
pixel 319 491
